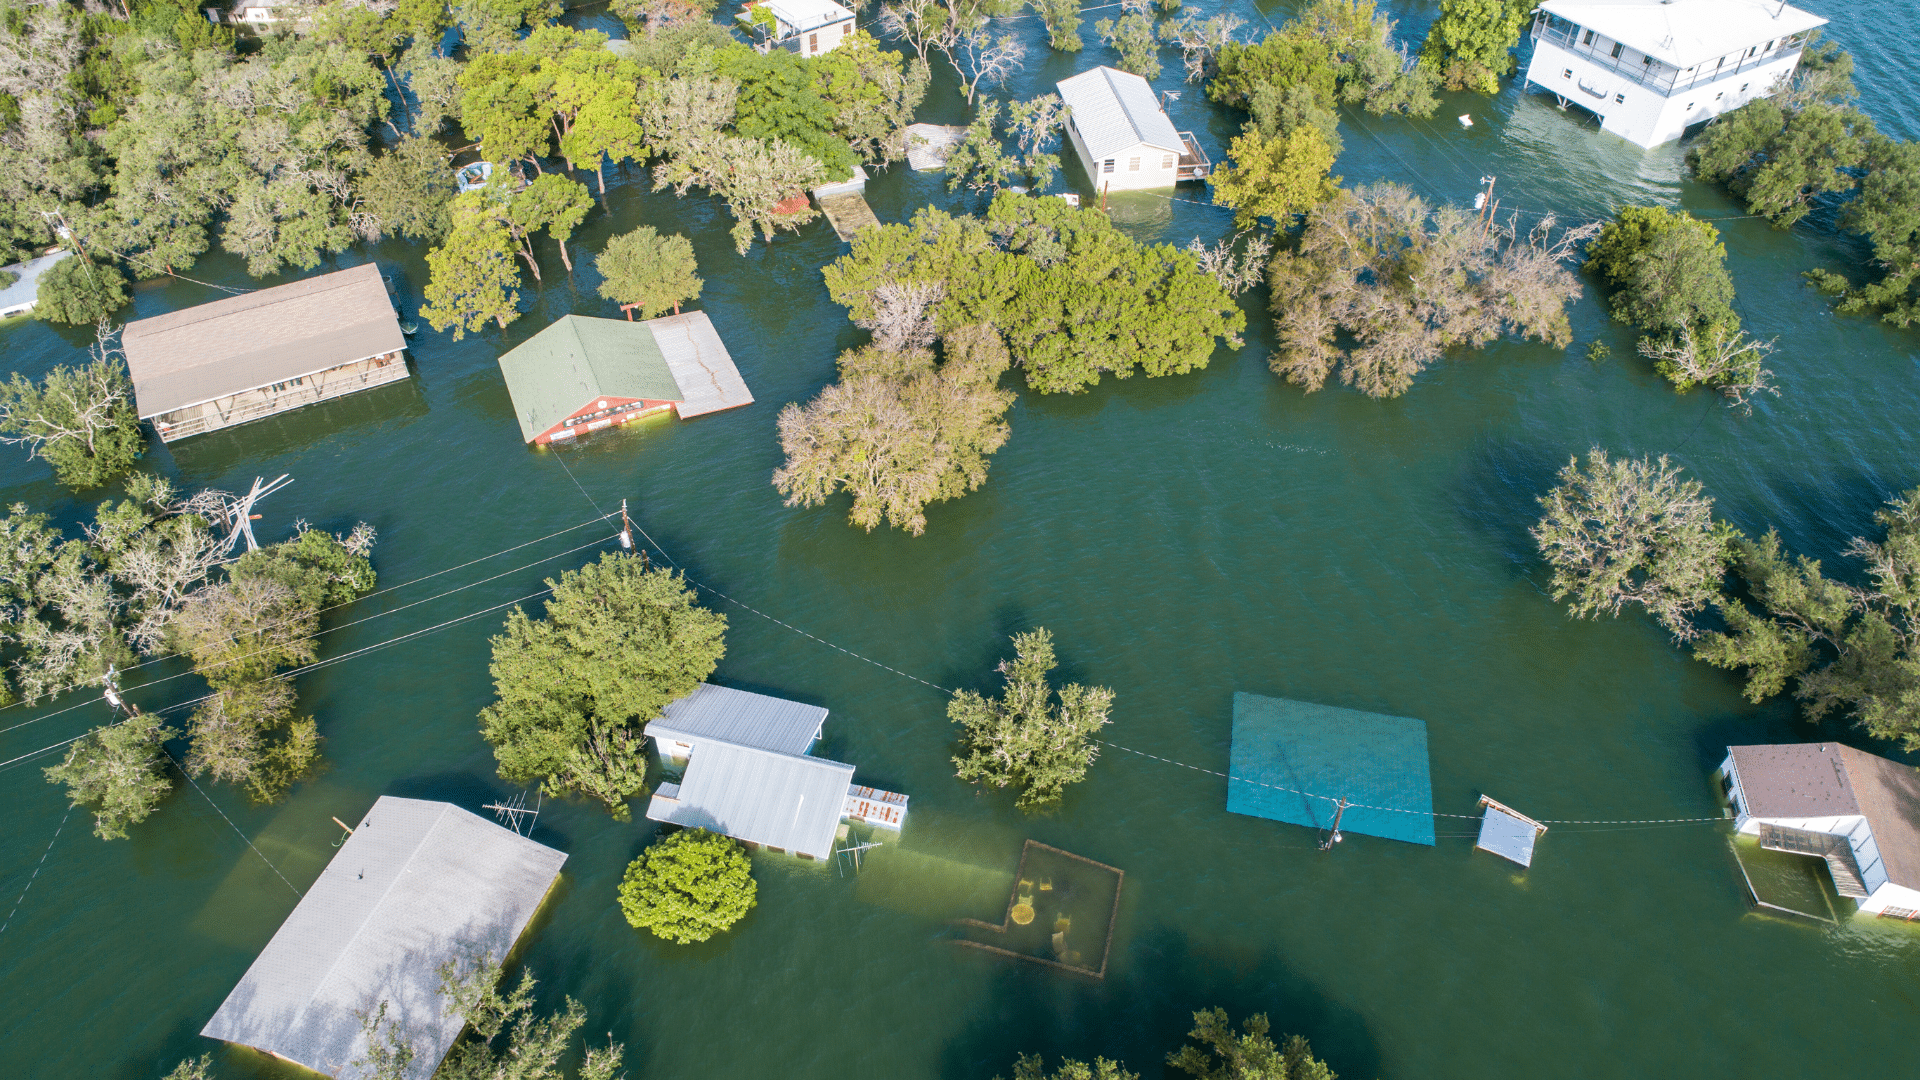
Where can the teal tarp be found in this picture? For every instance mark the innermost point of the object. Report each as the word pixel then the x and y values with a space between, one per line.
pixel 1292 759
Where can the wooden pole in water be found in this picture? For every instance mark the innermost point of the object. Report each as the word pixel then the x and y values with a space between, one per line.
pixel 1339 809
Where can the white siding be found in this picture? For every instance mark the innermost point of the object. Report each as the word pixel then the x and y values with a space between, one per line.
pixel 1151 173
pixel 1638 113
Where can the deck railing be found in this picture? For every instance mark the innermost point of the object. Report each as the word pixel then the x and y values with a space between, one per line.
pixel 1652 73
pixel 1837 852
pixel 1193 162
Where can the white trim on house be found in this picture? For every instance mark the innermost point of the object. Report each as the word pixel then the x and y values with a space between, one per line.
pixel 807 27
pixel 1123 138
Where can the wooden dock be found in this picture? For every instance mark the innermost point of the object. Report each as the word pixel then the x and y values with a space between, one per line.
pixel 848 214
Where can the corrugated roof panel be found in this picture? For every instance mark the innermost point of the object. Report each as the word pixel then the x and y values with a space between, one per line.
pixel 736 716
pixel 417 884
pixel 705 373
pixel 259 338
pixel 783 801
pixel 1115 111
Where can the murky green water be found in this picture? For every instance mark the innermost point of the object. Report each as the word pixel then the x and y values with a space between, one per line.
pixel 1183 538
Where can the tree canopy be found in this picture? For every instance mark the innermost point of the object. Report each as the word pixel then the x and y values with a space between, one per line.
pixel 1025 738
pixel 1073 297
pixel 79 292
pixel 689 887
pixel 1335 51
pixel 118 772
pixel 645 268
pixel 1276 178
pixel 1249 1054
pixel 574 691
pixel 1471 43
pixel 81 420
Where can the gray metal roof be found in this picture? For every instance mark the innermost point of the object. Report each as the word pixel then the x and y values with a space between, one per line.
pixel 25 291
pixel 1115 111
pixel 705 373
pixel 741 718
pixel 418 883
pixel 780 800
pixel 259 338
pixel 1507 833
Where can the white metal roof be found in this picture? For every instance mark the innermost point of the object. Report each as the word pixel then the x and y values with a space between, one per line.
pixel 417 884
pixel 25 290
pixel 1685 32
pixel 1115 110
pixel 708 380
pixel 780 800
pixel 741 718
pixel 803 15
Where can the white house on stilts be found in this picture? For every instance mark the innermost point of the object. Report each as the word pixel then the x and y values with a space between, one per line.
pixel 1857 811
pixel 1650 69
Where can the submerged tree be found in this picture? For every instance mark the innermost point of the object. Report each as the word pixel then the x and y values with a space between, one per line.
pixel 118 772
pixel 1250 1054
pixel 1133 37
pixel 1471 43
pixel 1024 738
pixel 1276 178
pixel 472 278
pixel 575 690
pixel 899 431
pixel 689 886
pixel 1405 282
pixel 1034 1067
pixel 1632 531
pixel 81 420
pixel 80 292
pixel 648 270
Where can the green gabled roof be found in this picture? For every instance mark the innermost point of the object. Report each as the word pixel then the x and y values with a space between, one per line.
pixel 558 371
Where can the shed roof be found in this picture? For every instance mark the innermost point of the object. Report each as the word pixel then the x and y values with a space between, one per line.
pixel 780 800
pixel 700 364
pixel 1114 110
pixel 259 338
pixel 1685 32
pixel 25 290
pixel 741 718
pixel 1805 780
pixel 417 884
pixel 556 372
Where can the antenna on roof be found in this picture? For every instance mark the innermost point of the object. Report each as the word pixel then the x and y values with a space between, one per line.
pixel 514 813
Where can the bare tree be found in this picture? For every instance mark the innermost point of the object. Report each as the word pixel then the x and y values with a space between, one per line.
pixel 916 22
pixel 903 314
pixel 81 420
pixel 1236 268
pixel 1727 361
pixel 1200 40
pixel 981 59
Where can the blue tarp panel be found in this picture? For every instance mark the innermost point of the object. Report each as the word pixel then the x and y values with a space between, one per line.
pixel 1288 753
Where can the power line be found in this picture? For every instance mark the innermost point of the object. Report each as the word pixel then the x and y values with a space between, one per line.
pixel 35 876
pixel 324 610
pixel 229 821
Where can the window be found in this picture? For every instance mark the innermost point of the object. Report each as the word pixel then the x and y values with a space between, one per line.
pixel 813 42
pixel 1588 40
pixel 1769 47
pixel 1616 50
pixel 1133 164
pixel 1892 912
pixel 1722 63
pixel 1743 87
pixel 1106 166
pixel 1566 73
pixel 1619 99
pixel 1166 162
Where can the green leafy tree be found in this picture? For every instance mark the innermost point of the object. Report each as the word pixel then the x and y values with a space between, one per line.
pixel 1132 36
pixel 689 887
pixel 1632 531
pixel 1888 211
pixel 979 161
pixel 1024 738
pixel 1471 43
pixel 555 203
pixel 81 420
pixel 1666 270
pixel 1853 650
pixel 79 292
pixel 1275 178
pixel 408 191
pixel 779 100
pixel 653 271
pixel 1780 153
pixel 871 93
pixel 200 1068
pixel 252 736
pixel 1062 19
pixel 472 277
pixel 117 772
pixel 499 109
pixel 1034 1067
pixel 1334 51
pixel 607 128
pixel 575 690
pixel 898 432
pixel 1249 1054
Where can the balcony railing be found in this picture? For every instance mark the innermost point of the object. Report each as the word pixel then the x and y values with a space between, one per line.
pixel 1652 73
pixel 1193 161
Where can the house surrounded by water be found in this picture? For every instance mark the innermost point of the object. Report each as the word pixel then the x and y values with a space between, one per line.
pixel 746 771
pixel 1123 137
pixel 264 352
pixel 1650 69
pixel 416 884
pixel 1857 811
pixel 807 27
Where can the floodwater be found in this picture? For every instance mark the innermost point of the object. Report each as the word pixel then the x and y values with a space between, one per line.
pixel 1183 538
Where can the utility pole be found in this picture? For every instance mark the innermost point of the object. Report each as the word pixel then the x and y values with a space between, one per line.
pixel 626 527
pixel 1339 809
pixel 1483 201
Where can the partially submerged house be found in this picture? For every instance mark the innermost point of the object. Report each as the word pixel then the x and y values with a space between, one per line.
pixel 21 283
pixel 1649 69
pixel 416 885
pixel 583 374
pixel 746 772
pixel 1122 135
pixel 807 27
pixel 1858 812
pixel 265 352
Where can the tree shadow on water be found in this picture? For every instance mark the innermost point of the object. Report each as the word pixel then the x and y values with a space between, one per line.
pixel 1144 1008
pixel 1499 492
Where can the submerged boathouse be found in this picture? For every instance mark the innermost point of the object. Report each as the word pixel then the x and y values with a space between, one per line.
pixel 746 772
pixel 416 885
pixel 266 352
pixel 583 374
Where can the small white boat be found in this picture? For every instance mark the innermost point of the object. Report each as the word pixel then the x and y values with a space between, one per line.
pixel 473 177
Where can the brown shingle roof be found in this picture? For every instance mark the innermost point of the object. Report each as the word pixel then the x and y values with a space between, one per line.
pixel 1889 795
pixel 1810 780
pixel 255 339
